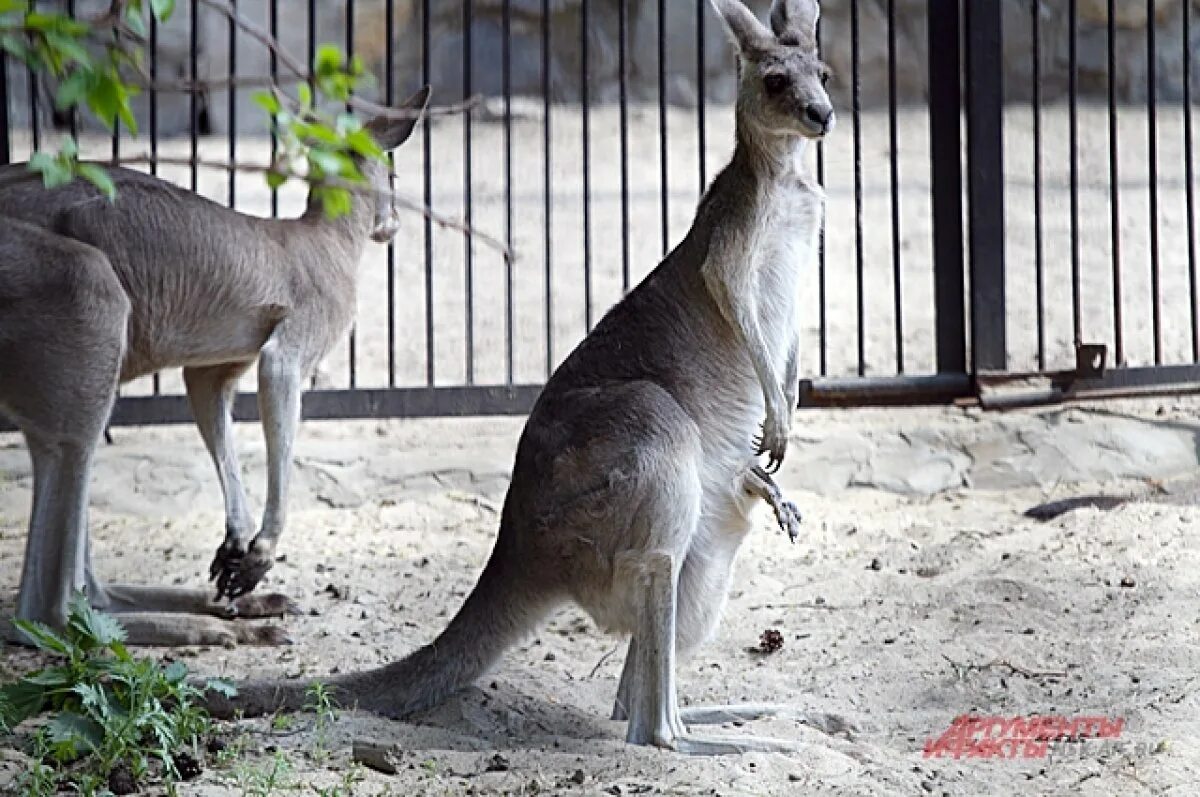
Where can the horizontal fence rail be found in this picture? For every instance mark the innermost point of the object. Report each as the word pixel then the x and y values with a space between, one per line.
pixel 989 218
pixel 1099 182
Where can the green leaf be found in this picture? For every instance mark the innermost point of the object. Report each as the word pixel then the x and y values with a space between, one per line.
pixel 51 678
pixel 361 142
pixel 335 201
pixel 267 101
pixel 104 99
pixel 40 635
pixel 94 628
pixel 20 701
pixel 221 686
pixel 81 733
pixel 162 9
pixel 133 18
pixel 99 178
pixel 328 60
pixel 72 90
pixel 175 672
pixel 276 179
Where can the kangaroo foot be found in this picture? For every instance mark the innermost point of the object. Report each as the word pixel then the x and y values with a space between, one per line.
pixel 749 712
pixel 238 572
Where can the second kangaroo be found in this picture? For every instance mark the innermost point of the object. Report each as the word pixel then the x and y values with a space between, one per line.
pixel 636 473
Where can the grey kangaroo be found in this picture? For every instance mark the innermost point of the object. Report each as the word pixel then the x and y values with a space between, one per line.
pixel 636 474
pixel 94 293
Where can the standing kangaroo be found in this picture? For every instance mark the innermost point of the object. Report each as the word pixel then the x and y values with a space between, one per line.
pixel 94 293
pixel 635 475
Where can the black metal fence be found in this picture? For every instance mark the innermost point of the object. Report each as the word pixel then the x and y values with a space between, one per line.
pixel 948 261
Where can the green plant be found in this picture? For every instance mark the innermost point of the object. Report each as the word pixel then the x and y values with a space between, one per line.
pixel 263 781
pixel 96 65
pixel 318 699
pixel 345 787
pixel 108 709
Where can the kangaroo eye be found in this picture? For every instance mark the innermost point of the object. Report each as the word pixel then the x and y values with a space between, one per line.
pixel 774 84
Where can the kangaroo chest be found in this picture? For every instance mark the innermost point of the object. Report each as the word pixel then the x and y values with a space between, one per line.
pixel 785 243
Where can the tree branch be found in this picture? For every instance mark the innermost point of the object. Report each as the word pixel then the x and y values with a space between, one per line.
pixel 397 199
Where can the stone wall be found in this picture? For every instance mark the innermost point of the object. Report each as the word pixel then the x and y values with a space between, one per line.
pixel 680 40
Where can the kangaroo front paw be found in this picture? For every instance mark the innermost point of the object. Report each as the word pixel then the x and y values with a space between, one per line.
pixel 237 573
pixel 773 441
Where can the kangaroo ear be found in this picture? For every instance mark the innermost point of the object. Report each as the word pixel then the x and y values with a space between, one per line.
pixel 390 132
pixel 748 33
pixel 795 20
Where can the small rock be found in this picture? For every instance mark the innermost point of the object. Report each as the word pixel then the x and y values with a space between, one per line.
pixel 794 778
pixel 497 763
pixel 875 564
pixel 188 767
pixel 578 778
pixel 120 780
pixel 1127 582
pixel 549 657
pixel 771 641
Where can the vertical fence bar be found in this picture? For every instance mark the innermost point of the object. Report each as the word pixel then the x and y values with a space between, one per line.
pixel 427 193
pixel 701 126
pixel 587 166
pixel 1189 177
pixel 353 341
pixel 1039 253
pixel 546 180
pixel 856 110
pixel 232 106
pixel 1073 165
pixel 35 130
pixel 312 56
pixel 508 193
pixel 985 185
pixel 152 98
pixel 822 329
pixel 894 164
pixel 945 140
pixel 1152 165
pixel 5 142
pixel 468 199
pixel 1115 188
pixel 273 66
pixel 156 379
pixel 389 99
pixel 73 120
pixel 663 166
pixel 194 96
pixel 623 102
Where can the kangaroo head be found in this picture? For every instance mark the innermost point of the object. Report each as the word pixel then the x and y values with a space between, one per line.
pixel 781 79
pixel 389 133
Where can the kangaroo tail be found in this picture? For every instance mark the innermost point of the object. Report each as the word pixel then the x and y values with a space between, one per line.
pixel 501 609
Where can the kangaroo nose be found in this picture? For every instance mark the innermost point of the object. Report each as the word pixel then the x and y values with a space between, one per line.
pixel 820 115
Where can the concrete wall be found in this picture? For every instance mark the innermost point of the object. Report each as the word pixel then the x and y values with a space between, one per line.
pixel 682 60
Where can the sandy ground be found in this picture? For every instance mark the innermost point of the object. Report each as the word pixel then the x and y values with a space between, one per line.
pixel 916 593
pixel 398 517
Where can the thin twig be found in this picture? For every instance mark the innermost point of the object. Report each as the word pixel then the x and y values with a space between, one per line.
pixel 600 663
pixel 819 606
pixel 961 669
pixel 398 200
pixel 294 66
